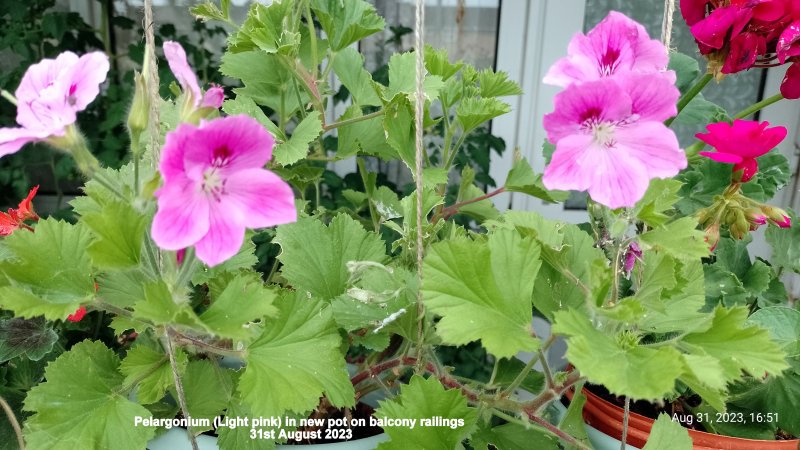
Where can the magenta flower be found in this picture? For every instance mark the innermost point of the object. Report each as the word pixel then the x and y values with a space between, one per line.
pixel 633 254
pixel 741 143
pixel 215 186
pixel 617 45
pixel 610 138
pixel 50 95
pixel 176 57
pixel 788 48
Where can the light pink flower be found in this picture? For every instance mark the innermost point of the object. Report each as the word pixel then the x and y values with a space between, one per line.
pixel 741 143
pixel 215 186
pixel 176 57
pixel 50 95
pixel 610 138
pixel 617 45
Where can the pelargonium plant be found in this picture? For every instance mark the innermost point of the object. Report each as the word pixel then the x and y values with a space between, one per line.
pixel 656 296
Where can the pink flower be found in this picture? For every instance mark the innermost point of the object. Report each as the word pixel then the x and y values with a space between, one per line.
pixel 49 96
pixel 777 216
pixel 215 187
pixel 617 45
pixel 741 143
pixel 633 254
pixel 176 57
pixel 610 138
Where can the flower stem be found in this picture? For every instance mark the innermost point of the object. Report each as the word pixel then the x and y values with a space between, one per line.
pixel 354 120
pixel 520 377
pixel 178 383
pixel 627 412
pixel 13 420
pixel 758 106
pixel 187 268
pixel 8 96
pixel 453 209
pixel 690 94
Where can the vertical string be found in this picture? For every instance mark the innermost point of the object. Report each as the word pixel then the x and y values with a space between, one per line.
pixel 666 23
pixel 151 76
pixel 418 116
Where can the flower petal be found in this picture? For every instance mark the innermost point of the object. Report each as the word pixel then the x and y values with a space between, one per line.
pixel 213 98
pixel 790 86
pixel 87 75
pixel 789 42
pixel 232 143
pixel 713 30
pixel 600 100
pixel 654 146
pixel 260 198
pixel 653 97
pixel 744 49
pixel 182 218
pixel 13 139
pixel 617 181
pixel 727 158
pixel 176 58
pixel 42 95
pixel 568 170
pixel 223 240
pixel 693 11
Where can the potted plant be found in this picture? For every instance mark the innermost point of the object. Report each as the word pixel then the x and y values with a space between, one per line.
pixel 385 279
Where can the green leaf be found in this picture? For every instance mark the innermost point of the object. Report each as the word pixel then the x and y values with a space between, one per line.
pixel 264 29
pixel 296 360
pixel 422 399
pixel 773 174
pixel 349 67
pixel 522 179
pixel 480 210
pixel 346 21
pixel 512 436
pixel 686 68
pixel 32 338
pixel 497 84
pixel 572 423
pixel 509 369
pixel 315 257
pixel 626 368
pixel 403 78
pixel 209 11
pixel 785 245
pixel 120 230
pixel 680 239
pixel 472 112
pixel 678 309
pixel 83 404
pixel 483 291
pixel 700 111
pixel 668 435
pixel 271 91
pixel 50 273
pixel 244 299
pixel 365 137
pixel 245 105
pixel 660 197
pixel 438 63
pixel 159 307
pixel 783 325
pixel 150 371
pixel 296 148
pixel 737 345
pixel 244 260
pixel 208 389
pixel 239 438
pixel 121 288
pixel 398 123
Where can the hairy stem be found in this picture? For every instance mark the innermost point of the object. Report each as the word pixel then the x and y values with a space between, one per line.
pixel 520 378
pixel 353 120
pixel 623 444
pixel 178 383
pixel 453 209
pixel 14 423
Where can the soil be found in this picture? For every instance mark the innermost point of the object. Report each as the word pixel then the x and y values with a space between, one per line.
pixel 652 410
pixel 361 411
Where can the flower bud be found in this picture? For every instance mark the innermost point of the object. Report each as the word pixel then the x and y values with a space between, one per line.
pixel 712 236
pixel 778 216
pixel 140 107
pixel 755 216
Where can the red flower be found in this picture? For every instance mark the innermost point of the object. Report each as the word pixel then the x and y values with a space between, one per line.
pixel 741 143
pixel 77 315
pixel 15 218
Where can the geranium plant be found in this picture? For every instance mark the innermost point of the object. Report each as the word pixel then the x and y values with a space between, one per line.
pixel 656 296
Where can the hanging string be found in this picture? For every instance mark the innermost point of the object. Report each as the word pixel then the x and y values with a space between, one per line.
pixel 418 116
pixel 666 23
pixel 151 66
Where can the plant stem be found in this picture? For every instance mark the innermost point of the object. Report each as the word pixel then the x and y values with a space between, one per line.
pixel 14 423
pixel 179 384
pixel 353 120
pixel 103 306
pixel 187 268
pixel 8 96
pixel 690 94
pixel 758 106
pixel 312 38
pixel 210 348
pixel 519 378
pixel 627 411
pixel 453 209
pixel 151 256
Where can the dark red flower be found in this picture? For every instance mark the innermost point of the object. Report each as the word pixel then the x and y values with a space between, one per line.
pixel 15 218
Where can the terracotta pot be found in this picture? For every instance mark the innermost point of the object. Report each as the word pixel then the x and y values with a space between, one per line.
pixel 608 417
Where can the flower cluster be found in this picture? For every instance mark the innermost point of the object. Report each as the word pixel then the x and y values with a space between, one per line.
pixel 740 144
pixel 608 121
pixel 15 219
pixel 737 35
